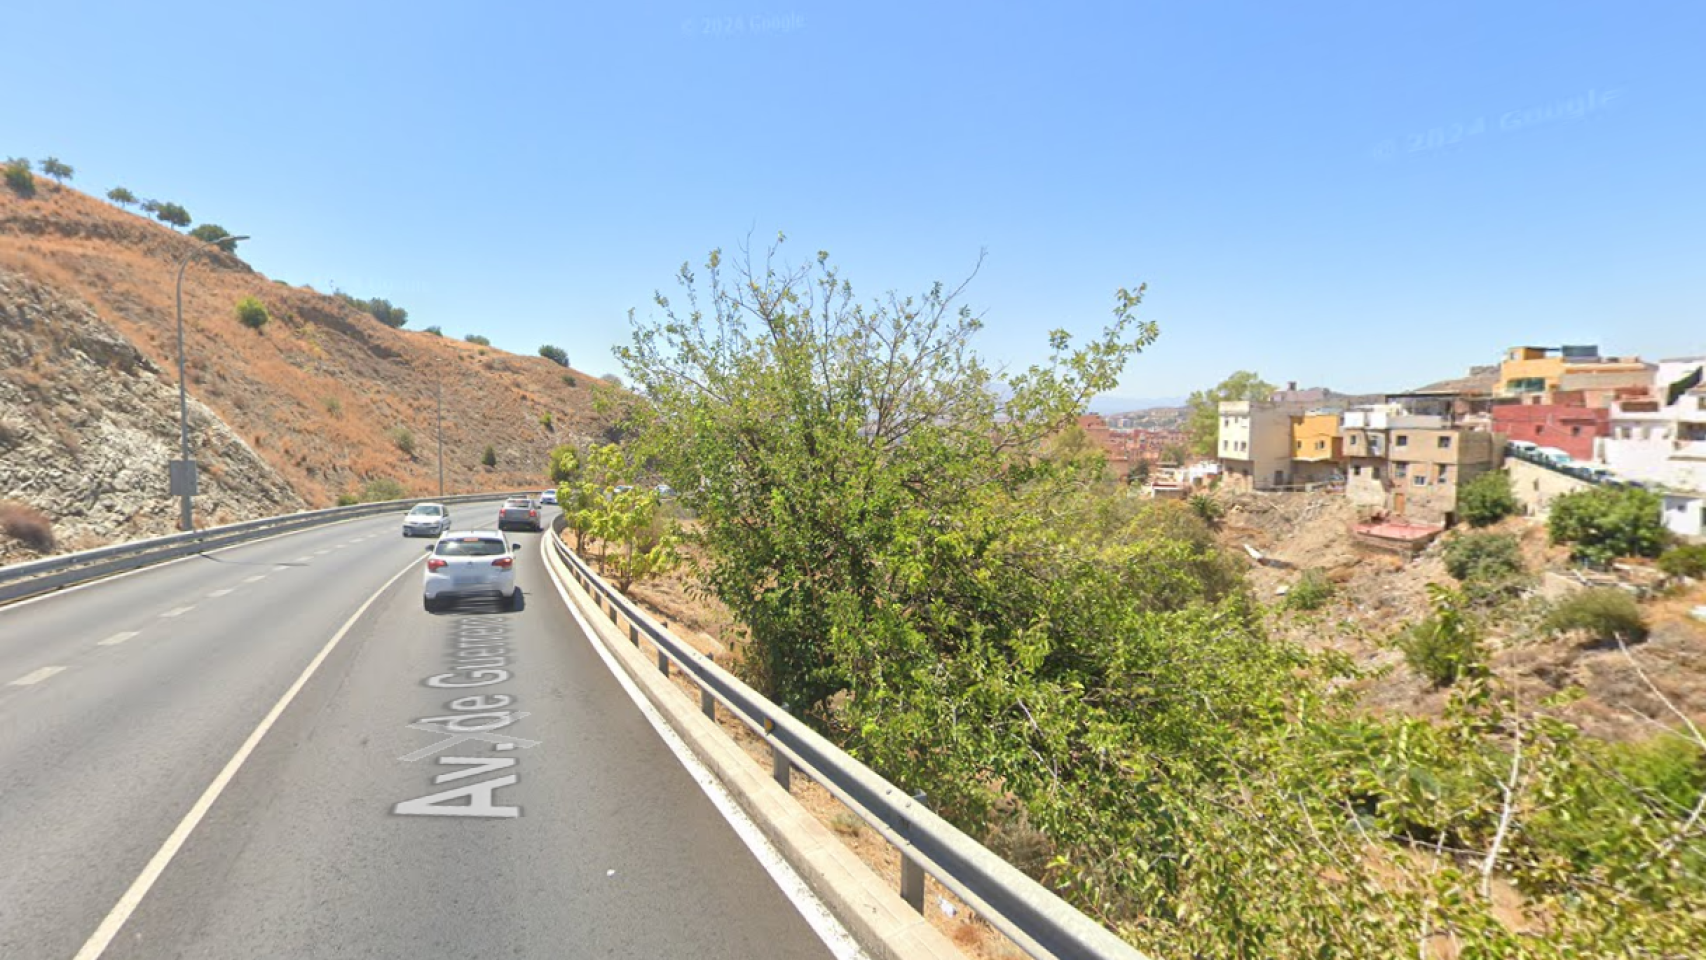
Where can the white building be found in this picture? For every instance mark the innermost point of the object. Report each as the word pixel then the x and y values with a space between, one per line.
pixel 1661 439
pixel 1254 446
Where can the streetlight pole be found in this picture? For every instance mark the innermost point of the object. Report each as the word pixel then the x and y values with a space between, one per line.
pixel 441 438
pixel 183 470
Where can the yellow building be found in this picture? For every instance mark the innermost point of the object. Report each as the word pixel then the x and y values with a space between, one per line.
pixel 1317 450
pixel 1541 371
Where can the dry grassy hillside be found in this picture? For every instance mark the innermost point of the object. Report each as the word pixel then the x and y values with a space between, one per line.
pixel 318 393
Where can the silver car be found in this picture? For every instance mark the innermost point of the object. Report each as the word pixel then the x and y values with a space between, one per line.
pixel 470 563
pixel 426 520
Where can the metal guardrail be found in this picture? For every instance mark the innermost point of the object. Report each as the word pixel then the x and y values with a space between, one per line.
pixel 53 573
pixel 1038 921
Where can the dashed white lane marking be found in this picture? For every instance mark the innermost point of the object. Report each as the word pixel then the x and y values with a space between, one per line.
pixel 303 559
pixel 180 611
pixel 321 553
pixel 36 677
pixel 127 904
pixel 281 567
pixel 257 578
pixel 118 638
pixel 340 546
pixel 221 593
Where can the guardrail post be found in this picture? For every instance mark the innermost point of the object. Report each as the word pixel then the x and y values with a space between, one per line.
pixel 911 871
pixel 780 768
pixel 663 662
pixel 707 702
pixel 633 634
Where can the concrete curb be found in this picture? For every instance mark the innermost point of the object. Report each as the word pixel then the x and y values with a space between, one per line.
pixel 867 905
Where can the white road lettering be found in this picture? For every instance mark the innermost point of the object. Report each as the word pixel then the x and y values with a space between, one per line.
pixel 480 803
pixel 479 656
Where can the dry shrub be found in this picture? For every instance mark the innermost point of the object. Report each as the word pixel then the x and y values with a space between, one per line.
pixel 27 525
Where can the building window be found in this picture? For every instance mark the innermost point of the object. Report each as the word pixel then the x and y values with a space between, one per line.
pixel 1403 440
pixel 1376 472
pixel 1444 473
pixel 1398 470
pixel 1354 439
pixel 1320 444
pixel 1445 443
pixel 1575 431
pixel 1421 480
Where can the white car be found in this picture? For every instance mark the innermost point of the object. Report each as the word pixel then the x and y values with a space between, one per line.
pixel 426 520
pixel 548 498
pixel 471 563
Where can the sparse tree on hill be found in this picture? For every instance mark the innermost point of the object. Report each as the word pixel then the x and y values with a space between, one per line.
pixel 215 234
pixel 612 378
pixel 173 214
pixel 151 207
pixel 478 340
pixel 1203 418
pixel 556 355
pixel 58 170
pixel 252 313
pixel 122 196
pixel 490 457
pixel 20 178
pixel 387 313
pixel 436 331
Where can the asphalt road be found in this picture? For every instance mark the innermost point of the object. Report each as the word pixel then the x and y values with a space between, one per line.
pixel 570 831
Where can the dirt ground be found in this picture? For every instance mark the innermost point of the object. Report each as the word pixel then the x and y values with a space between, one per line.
pixel 1379 593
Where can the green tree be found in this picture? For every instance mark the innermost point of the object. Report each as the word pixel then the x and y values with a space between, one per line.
pixel 1602 524
pixel 1688 560
pixel 387 313
pixel 215 234
pixel 1486 499
pixel 1203 407
pixel 435 330
pixel 19 177
pixel 565 464
pixel 478 340
pixel 1483 557
pixel 252 313
pixel 556 355
pixel 152 207
pixel 58 170
pixel 612 379
pixel 404 438
pixel 490 457
pixel 173 214
pixel 1446 645
pixel 121 196
pixel 1139 473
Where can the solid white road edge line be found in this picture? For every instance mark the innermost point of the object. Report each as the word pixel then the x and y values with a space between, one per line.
pixel 823 923
pixel 127 904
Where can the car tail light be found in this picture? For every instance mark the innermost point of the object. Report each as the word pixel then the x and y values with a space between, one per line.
pixel 435 563
pixel 503 562
pixel 533 513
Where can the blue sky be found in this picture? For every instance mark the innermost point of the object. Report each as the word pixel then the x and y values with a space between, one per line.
pixel 1360 195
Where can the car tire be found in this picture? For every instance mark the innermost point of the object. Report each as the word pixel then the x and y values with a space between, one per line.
pixel 508 603
pixel 430 604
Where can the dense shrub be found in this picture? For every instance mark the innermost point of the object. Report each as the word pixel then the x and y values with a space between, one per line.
pixel 377 307
pixel 19 177
pixel 1684 561
pixel 556 355
pixel 490 457
pixel 1603 613
pixel 1483 557
pixel 382 490
pixel 252 313
pixel 348 499
pixel 28 526
pixel 1211 511
pixel 547 421
pixel 404 438
pixel 612 379
pixel 213 233
pixel 478 340
pixel 334 406
pixel 1446 645
pixel 1487 499
pixel 1604 523
pixel 173 214
pixel 1311 592
pixel 570 381
pixel 435 330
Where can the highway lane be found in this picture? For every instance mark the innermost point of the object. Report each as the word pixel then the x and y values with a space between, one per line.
pixel 119 701
pixel 612 850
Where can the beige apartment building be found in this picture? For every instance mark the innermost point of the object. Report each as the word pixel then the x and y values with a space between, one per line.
pixel 1255 443
pixel 1429 464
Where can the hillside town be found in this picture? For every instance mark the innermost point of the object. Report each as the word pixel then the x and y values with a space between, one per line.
pixel 1558 419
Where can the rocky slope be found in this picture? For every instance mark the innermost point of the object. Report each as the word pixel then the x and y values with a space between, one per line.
pixel 321 402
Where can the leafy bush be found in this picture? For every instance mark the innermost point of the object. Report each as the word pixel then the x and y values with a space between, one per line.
pixel 215 234
pixel 1483 557
pixel 28 526
pixel 1602 524
pixel 1446 645
pixel 348 499
pixel 612 379
pixel 252 313
pixel 556 355
pixel 121 196
pixel 377 307
pixel 173 214
pixel 435 330
pixel 382 490
pixel 1603 613
pixel 19 177
pixel 490 457
pixel 404 438
pixel 1211 511
pixel 57 169
pixel 547 421
pixel 1486 499
pixel 1684 561
pixel 477 340
pixel 570 381
pixel 334 406
pixel 1310 592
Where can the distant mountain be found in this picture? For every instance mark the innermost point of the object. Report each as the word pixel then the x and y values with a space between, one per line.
pixel 1109 404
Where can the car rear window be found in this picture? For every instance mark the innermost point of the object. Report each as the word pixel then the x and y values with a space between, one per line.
pixel 470 547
